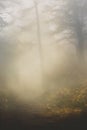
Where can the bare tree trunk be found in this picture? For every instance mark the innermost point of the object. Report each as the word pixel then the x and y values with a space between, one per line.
pixel 39 42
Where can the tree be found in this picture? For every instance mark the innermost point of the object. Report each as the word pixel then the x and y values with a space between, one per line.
pixel 69 18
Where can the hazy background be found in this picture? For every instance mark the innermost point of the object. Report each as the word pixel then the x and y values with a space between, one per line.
pixel 56 78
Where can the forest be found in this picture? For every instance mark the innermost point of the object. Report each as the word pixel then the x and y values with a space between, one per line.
pixel 43 58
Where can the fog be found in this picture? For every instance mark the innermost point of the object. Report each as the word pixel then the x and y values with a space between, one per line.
pixel 42 60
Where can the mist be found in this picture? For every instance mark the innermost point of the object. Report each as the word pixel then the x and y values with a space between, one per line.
pixel 43 75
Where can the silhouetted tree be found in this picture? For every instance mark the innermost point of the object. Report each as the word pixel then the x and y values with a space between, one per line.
pixel 69 19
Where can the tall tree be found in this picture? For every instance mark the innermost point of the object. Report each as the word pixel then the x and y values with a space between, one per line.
pixel 69 18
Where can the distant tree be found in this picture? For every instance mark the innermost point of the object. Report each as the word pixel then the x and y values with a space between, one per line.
pixel 2 23
pixel 69 19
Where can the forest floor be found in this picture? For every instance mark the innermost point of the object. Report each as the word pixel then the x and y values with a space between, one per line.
pixel 62 108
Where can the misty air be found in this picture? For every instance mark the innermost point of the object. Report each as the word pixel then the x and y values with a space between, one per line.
pixel 43 62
